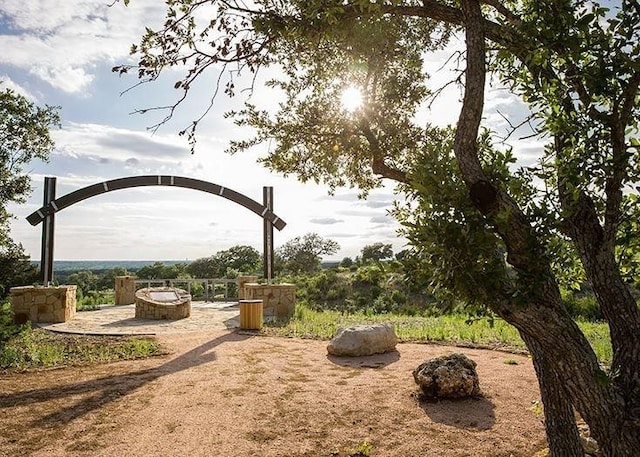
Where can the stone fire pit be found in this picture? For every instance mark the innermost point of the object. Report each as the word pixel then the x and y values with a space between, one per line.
pixel 162 303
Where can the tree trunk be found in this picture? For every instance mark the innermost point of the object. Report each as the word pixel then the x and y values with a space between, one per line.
pixel 596 249
pixel 568 373
pixel 563 438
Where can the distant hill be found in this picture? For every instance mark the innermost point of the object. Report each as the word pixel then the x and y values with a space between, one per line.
pixel 101 265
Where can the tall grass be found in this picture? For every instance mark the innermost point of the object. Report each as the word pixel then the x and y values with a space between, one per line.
pixel 41 349
pixel 456 329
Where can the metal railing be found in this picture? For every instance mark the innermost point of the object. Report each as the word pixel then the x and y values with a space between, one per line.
pixel 209 289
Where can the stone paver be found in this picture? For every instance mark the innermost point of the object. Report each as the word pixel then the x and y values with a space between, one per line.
pixel 121 320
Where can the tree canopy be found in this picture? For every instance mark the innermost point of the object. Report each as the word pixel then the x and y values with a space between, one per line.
pixel 159 270
pixel 490 227
pixel 226 263
pixel 304 254
pixel 376 252
pixel 24 136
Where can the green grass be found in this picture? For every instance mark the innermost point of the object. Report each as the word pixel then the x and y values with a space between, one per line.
pixel 598 335
pixel 94 299
pixel 41 349
pixel 449 329
pixel 22 347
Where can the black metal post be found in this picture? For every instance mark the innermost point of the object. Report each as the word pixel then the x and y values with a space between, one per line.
pixel 46 253
pixel 267 201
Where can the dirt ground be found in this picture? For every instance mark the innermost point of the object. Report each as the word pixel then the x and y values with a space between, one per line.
pixel 233 394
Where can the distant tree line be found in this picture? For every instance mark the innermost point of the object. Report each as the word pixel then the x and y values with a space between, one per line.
pixel 376 281
pixel 297 256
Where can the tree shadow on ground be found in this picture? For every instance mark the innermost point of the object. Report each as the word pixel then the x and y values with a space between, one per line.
pixel 368 361
pixel 472 413
pixel 104 390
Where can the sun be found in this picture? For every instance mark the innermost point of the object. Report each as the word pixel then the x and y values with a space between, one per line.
pixel 351 99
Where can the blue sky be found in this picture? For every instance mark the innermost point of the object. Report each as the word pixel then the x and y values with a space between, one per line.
pixel 63 54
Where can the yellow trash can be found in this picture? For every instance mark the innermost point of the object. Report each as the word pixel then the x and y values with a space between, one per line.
pixel 251 314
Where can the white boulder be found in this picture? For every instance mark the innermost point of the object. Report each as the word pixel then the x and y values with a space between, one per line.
pixel 361 340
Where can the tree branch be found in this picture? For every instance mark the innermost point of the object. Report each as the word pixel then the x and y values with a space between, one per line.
pixel 629 98
pixel 620 161
pixel 379 165
pixel 502 9
pixel 465 143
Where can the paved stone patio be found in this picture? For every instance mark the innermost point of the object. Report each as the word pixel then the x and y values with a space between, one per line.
pixel 121 320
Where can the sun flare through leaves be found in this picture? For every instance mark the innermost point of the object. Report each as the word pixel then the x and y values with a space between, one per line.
pixel 351 99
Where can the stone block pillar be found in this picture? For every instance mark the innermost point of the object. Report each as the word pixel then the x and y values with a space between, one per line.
pixel 43 304
pixel 125 288
pixel 242 280
pixel 279 300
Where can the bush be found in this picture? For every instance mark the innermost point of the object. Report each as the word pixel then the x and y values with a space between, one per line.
pixel 582 305
pixel 324 290
pixel 93 299
pixel 7 327
pixel 373 289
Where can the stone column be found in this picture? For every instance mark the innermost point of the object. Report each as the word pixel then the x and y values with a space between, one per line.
pixel 241 281
pixel 279 299
pixel 125 287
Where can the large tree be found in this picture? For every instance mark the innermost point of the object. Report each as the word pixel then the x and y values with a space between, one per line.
pixel 576 66
pixel 24 136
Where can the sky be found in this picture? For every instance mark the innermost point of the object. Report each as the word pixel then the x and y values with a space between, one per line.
pixel 63 56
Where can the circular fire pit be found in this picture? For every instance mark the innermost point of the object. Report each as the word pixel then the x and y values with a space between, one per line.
pixel 162 303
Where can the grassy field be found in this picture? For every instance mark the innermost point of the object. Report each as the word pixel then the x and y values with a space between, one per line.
pixel 450 329
pixel 28 348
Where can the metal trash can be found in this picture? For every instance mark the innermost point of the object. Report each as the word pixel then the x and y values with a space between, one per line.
pixel 251 314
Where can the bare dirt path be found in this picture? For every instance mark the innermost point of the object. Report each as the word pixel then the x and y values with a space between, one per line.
pixel 231 394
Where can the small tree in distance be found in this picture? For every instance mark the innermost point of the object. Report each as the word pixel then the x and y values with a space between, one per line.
pixel 161 271
pixel 376 252
pixel 304 254
pixel 238 259
pixel 346 262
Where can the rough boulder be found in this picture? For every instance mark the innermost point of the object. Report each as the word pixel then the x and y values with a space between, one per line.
pixel 361 340
pixel 450 376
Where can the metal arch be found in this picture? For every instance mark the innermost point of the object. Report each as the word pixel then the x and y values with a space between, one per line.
pixel 154 180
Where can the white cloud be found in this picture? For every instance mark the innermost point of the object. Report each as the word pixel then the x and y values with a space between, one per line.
pixel 8 83
pixel 62 43
pixel 119 146
pixel 41 16
pixel 71 45
pixel 326 221
pixel 383 219
pixel 68 78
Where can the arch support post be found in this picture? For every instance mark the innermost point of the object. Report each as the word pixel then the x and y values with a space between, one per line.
pixel 267 201
pixel 46 253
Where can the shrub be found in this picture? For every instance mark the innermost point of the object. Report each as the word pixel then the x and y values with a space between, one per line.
pixel 88 301
pixel 7 327
pixel 582 305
